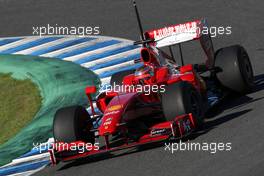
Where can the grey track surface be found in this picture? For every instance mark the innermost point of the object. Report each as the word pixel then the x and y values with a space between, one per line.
pixel 239 120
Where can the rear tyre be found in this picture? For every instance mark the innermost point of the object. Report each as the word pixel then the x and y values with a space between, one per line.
pixel 117 78
pixel 73 124
pixel 182 98
pixel 236 71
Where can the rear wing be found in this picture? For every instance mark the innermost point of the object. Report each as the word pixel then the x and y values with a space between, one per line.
pixel 176 33
pixel 180 33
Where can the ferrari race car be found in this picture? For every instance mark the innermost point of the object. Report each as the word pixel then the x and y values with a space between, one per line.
pixel 174 105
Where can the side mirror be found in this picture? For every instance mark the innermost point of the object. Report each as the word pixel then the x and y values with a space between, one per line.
pixel 90 90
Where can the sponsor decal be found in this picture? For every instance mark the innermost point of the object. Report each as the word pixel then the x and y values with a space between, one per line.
pixel 114 107
pixel 190 27
pixel 111 113
pixel 108 119
pixel 107 123
pixel 156 132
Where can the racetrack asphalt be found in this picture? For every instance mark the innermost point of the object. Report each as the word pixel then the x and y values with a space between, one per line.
pixel 238 120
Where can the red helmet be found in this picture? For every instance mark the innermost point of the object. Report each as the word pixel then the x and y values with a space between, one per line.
pixel 144 73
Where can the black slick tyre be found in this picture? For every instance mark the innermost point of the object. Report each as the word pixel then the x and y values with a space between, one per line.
pixel 72 124
pixel 182 98
pixel 236 71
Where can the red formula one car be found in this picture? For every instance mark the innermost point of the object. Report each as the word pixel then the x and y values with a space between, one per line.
pixel 159 101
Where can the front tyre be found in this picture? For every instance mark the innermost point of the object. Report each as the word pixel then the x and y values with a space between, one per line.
pixel 73 124
pixel 182 98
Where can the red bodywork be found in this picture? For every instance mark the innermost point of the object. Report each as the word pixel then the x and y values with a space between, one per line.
pixel 121 108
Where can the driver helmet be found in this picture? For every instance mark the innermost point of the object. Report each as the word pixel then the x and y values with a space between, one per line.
pixel 144 73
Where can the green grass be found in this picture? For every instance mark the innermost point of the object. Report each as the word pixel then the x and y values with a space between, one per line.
pixel 20 100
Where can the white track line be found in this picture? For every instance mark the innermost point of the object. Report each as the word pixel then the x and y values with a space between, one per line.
pixel 74 47
pixel 31 158
pixel 45 45
pixel 106 80
pixel 18 43
pixel 114 67
pixel 97 51
pixel 111 58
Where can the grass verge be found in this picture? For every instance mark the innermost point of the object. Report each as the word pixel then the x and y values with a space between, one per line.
pixel 20 100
